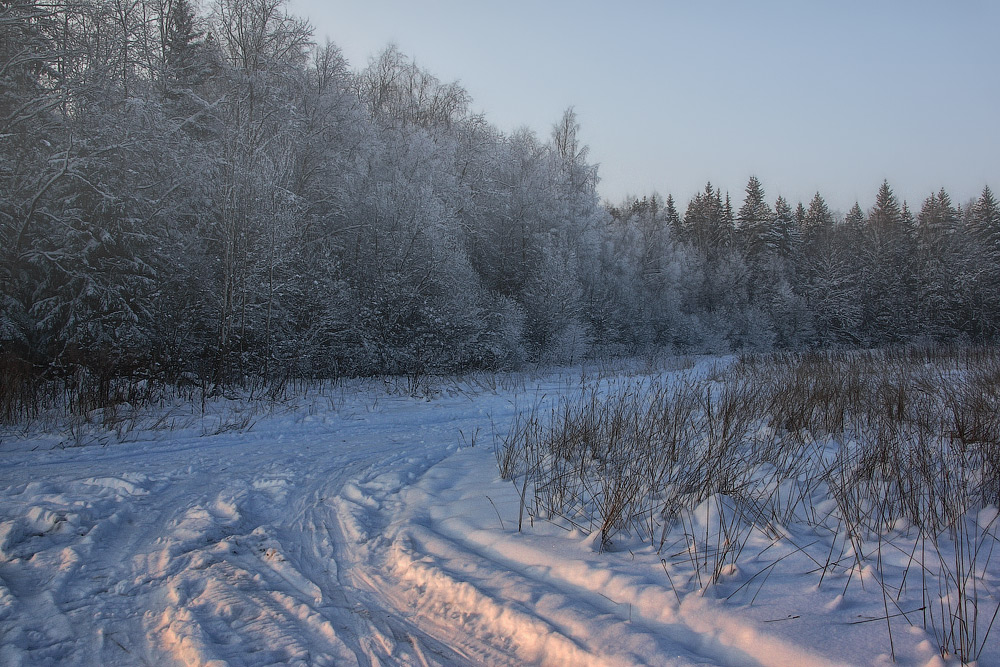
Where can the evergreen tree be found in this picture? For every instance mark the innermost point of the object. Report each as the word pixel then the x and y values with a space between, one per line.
pixel 886 220
pixel 888 272
pixel 755 222
pixel 937 222
pixel 706 223
pixel 855 217
pixel 908 222
pixel 673 218
pixel 787 232
pixel 180 42
pixel 833 289
pixel 800 215
pixel 940 249
pixel 34 163
pixel 817 222
pixel 728 219
pixel 984 221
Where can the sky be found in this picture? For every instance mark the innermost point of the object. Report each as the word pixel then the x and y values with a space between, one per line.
pixel 828 96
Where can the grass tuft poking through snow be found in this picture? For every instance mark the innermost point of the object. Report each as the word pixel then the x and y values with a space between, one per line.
pixel 871 470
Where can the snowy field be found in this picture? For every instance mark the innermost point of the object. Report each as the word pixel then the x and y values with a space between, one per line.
pixel 363 525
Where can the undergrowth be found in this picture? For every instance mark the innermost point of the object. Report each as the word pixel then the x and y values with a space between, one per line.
pixel 881 455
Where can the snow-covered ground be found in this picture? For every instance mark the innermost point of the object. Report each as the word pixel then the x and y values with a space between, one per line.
pixel 362 526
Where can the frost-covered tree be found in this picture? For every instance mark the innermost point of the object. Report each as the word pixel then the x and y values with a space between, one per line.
pixel 672 217
pixel 985 223
pixel 787 233
pixel 707 223
pixel 941 283
pixel 755 222
pixel 395 90
pixel 817 222
pixel 31 96
pixel 650 279
pixel 887 275
pixel 984 232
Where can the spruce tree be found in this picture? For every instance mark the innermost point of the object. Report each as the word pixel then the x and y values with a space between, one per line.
pixel 673 218
pixel 786 229
pixel 728 221
pixel 855 216
pixel 705 222
pixel 818 220
pixel 800 215
pixel 939 253
pixel 180 44
pixel 886 218
pixel 755 221
pixel 888 272
pixel 984 220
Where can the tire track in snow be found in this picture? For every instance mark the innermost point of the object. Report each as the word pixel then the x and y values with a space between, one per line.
pixel 272 588
pixel 467 599
pixel 193 555
pixel 360 524
pixel 503 600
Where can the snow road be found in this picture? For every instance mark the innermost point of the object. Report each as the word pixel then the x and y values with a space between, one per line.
pixel 200 549
pixel 368 532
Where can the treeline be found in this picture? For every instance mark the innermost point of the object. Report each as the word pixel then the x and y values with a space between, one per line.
pixel 764 277
pixel 214 197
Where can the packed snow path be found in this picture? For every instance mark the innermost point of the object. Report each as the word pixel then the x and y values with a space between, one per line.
pixel 368 532
pixel 190 550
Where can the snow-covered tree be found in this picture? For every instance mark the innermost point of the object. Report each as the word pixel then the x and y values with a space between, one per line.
pixel 941 283
pixel 984 232
pixel 887 273
pixel 707 224
pixel 787 233
pixel 755 222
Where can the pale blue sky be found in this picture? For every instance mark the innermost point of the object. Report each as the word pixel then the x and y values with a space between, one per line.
pixel 806 95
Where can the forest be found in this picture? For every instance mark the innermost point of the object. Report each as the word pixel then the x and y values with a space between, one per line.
pixel 211 197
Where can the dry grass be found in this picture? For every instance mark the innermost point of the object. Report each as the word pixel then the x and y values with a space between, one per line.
pixel 694 465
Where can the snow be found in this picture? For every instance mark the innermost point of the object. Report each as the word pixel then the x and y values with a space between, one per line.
pixel 362 527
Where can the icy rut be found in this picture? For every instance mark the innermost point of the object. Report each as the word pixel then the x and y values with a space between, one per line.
pixel 363 537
